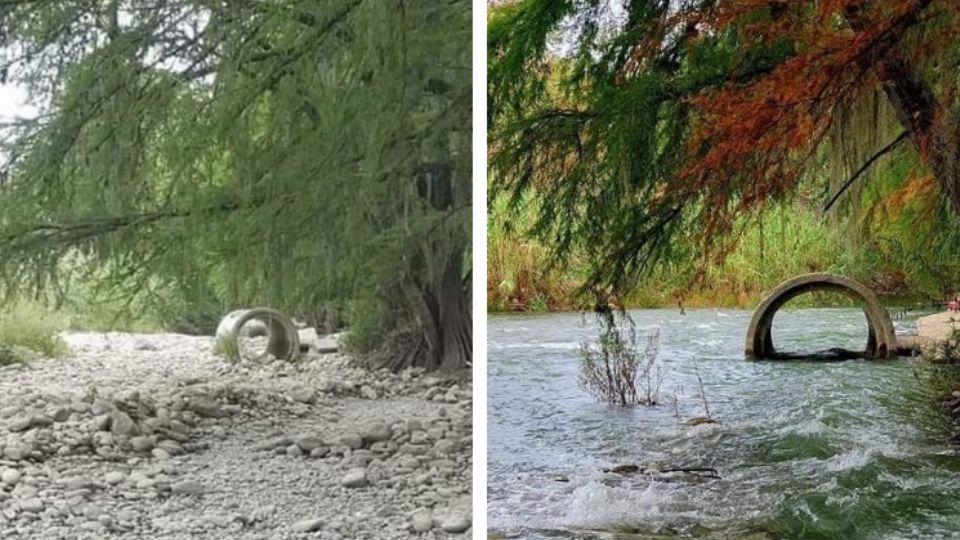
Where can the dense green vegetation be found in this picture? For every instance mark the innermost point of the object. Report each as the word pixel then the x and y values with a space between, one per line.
pixel 28 330
pixel 904 259
pixel 194 157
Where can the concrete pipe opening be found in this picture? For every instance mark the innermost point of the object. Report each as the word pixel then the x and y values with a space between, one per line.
pixel 253 334
pixel 881 339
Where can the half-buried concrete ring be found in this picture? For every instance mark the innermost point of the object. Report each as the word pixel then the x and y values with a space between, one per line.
pixel 283 339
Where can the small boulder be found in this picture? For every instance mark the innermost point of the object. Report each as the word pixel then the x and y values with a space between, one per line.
pixel 122 424
pixel 187 487
pixel 115 477
pixel 455 523
pixel 205 406
pixel 10 476
pixel 303 394
pixel 308 443
pixel 142 443
pixel 354 478
pixel 20 423
pixel 421 522
pixel 307 525
pixel 31 505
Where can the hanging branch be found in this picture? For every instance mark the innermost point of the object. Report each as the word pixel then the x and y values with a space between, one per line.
pixel 863 168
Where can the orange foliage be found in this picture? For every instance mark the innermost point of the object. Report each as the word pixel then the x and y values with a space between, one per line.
pixel 753 139
pixel 921 189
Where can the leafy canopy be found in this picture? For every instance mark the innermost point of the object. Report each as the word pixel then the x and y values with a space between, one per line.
pixel 643 128
pixel 237 153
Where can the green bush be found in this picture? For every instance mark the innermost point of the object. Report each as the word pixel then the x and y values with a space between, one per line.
pixel 619 371
pixel 28 330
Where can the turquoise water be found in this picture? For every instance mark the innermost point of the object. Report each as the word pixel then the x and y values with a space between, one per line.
pixel 804 449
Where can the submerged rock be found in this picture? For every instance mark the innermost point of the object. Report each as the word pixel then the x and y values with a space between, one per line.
pixel 623 469
pixel 697 420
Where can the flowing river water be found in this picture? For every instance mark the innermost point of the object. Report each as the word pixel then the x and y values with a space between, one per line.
pixel 804 449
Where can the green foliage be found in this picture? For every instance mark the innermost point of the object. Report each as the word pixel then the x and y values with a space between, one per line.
pixel 198 157
pixel 28 330
pixel 598 147
pixel 786 241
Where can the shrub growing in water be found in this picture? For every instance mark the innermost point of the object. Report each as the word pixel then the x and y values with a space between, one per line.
pixel 619 372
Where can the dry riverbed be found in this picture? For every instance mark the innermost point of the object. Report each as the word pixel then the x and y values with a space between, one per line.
pixel 154 436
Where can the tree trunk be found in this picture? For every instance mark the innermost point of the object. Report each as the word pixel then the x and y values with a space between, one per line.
pixel 932 130
pixel 436 328
pixel 455 321
pixel 438 334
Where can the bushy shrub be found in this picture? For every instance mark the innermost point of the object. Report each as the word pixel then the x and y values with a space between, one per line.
pixel 28 330
pixel 618 371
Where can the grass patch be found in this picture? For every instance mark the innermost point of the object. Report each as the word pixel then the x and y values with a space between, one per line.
pixel 28 331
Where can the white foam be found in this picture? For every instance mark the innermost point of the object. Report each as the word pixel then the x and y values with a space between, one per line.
pixel 596 505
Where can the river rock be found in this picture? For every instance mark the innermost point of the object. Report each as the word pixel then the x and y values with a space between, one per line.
pixel 101 423
pixel 102 438
pixel 10 476
pixel 351 440
pixel 271 444
pixel 421 522
pixel 102 406
pixel 697 420
pixel 376 433
pixel 172 448
pixel 20 423
pixel 303 395
pixel 17 451
pixel 187 487
pixel 205 406
pixel 308 443
pixel 261 513
pixel 307 525
pixel 24 491
pixel 122 424
pixel 41 420
pixel 354 478
pixel 626 468
pixel 31 505
pixel 142 443
pixel 445 446
pixel 115 477
pixel 61 414
pixel 455 523
pixel 78 482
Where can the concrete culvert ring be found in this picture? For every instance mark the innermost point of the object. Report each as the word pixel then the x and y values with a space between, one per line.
pixel 881 340
pixel 282 336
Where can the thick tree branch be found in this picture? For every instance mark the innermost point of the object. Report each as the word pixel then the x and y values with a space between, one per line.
pixel 863 168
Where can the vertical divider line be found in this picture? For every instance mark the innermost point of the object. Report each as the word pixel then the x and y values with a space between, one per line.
pixel 479 236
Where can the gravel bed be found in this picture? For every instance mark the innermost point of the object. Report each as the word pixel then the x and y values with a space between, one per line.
pixel 155 436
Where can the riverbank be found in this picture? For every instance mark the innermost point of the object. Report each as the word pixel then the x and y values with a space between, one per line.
pixel 153 435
